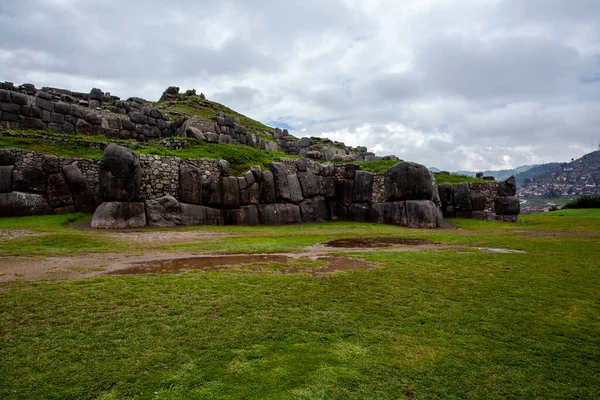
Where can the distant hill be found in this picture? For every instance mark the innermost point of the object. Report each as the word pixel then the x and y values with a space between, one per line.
pixel 498 175
pixel 578 177
pixel 534 171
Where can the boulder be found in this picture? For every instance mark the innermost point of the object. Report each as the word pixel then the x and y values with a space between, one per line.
pixel 313 210
pixel 119 215
pixel 422 214
pixel 507 205
pixel 83 196
pixel 6 172
pixel 120 174
pixel 19 204
pixel 163 212
pixel 363 187
pixel 408 181
pixel 508 187
pixel 190 184
pixel 192 214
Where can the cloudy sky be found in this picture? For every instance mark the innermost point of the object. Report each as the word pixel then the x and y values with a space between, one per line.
pixel 464 84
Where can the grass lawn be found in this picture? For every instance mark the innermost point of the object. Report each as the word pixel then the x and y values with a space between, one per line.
pixel 444 323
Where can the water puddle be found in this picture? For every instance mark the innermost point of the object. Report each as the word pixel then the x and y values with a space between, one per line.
pixel 256 263
pixel 377 242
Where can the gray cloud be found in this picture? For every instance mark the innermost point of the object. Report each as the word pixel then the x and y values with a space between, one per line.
pixel 456 84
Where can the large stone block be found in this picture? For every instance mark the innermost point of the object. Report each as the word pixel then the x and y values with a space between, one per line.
pixel 508 187
pixel 250 195
pixel 192 214
pixel 6 172
pixel 120 174
pixel 163 212
pixel 308 183
pixel 119 215
pixel 282 189
pixel 408 181
pixel 267 188
pixel 295 189
pixel 393 213
pixel 249 216
pixel 10 108
pixel 477 201
pixel 462 198
pixel 230 195
pixel 423 214
pixel 44 104
pixel 19 204
pixel 507 205
pixel 19 98
pixel 279 214
pixel 289 214
pixel 359 212
pixel 313 210
pixel 190 184
pixel 363 187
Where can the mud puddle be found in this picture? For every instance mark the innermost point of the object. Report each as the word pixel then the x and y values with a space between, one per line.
pixel 281 264
pixel 377 242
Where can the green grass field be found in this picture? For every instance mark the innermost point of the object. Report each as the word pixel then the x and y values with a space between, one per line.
pixel 452 322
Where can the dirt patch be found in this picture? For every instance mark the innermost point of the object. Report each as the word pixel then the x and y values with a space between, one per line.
pixel 256 263
pixel 376 242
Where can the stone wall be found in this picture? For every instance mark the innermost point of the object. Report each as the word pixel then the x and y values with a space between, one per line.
pixel 169 191
pixel 481 200
pixel 63 111
pixel 69 113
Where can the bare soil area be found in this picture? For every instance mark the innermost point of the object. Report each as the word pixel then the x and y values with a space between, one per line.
pixel 143 262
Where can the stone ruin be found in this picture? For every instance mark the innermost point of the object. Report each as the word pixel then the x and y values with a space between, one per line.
pixel 98 113
pixel 126 190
